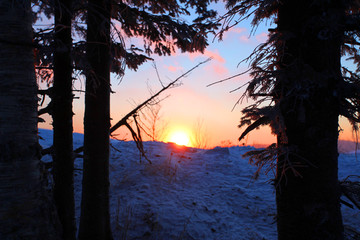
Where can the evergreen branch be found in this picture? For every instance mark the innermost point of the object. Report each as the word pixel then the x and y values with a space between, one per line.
pixel 261 121
pixel 352 22
pixel 48 109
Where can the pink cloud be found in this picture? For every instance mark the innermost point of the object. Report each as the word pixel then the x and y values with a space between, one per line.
pixel 216 69
pixel 234 31
pixel 237 30
pixel 213 54
pixel 219 69
pixel 173 68
pixel 216 65
pixel 244 38
pixel 262 37
pixel 194 55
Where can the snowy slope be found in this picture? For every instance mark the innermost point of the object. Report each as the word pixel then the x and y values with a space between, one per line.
pixel 191 193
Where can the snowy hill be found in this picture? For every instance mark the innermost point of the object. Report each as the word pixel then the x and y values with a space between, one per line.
pixel 189 193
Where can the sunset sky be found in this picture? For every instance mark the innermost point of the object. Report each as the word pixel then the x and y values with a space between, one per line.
pixel 192 103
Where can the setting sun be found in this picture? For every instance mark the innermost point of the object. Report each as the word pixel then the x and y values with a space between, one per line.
pixel 180 138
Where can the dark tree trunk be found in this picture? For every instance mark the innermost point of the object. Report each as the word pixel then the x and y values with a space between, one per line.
pixel 62 120
pixel 26 211
pixel 308 194
pixel 95 217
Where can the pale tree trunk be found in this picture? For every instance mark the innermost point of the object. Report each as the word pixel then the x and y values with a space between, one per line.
pixel 308 193
pixel 24 208
pixel 95 217
pixel 62 120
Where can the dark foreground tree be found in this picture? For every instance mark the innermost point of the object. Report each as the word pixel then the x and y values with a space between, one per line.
pixel 309 51
pixel 62 151
pixel 25 209
pixel 298 70
pixel 95 218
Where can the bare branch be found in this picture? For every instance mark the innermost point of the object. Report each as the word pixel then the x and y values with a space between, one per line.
pixel 123 122
pixel 223 80
pixel 138 141
pixel 139 107
pixel 157 73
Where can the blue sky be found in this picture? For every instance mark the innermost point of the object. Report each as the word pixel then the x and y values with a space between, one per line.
pixel 192 102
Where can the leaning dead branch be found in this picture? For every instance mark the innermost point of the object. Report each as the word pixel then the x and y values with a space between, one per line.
pixel 136 135
pixel 125 121
pixel 149 100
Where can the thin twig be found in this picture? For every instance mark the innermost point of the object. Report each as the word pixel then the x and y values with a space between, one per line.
pixel 223 80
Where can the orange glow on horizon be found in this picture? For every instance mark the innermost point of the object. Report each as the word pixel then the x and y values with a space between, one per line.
pixel 179 137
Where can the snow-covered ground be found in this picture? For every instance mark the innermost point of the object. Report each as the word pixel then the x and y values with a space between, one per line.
pixel 189 193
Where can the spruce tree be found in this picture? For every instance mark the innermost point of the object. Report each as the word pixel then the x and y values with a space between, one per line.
pixel 300 89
